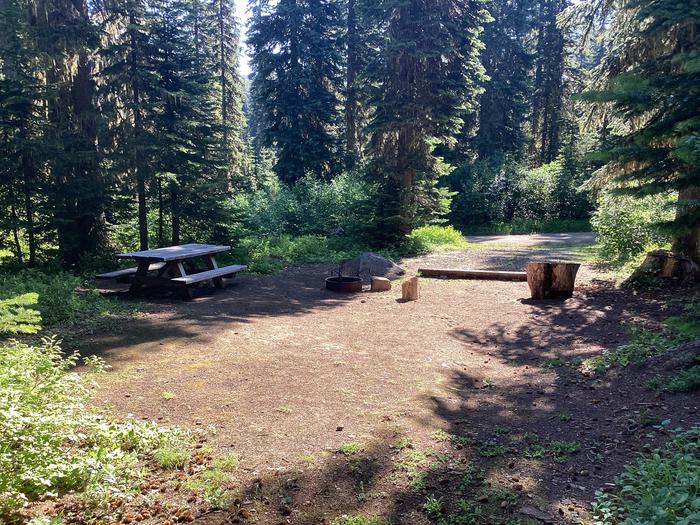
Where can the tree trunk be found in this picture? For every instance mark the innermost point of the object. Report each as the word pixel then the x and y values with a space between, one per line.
pixel 687 242
pixel 662 264
pixel 29 178
pixel 15 223
pixel 351 125
pixel 160 212
pixel 175 213
pixel 139 169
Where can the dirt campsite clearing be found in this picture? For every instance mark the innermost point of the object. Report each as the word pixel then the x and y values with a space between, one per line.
pixel 469 402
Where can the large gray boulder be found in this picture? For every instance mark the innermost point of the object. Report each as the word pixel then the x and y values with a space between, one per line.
pixel 370 265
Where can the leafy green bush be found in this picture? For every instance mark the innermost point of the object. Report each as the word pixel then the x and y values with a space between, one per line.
pixel 433 238
pixel 269 254
pixel 58 299
pixel 311 207
pixel 50 443
pixel 502 189
pixel 686 380
pixel 626 225
pixel 661 488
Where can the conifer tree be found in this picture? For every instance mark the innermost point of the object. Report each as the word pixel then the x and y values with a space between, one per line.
pixel 129 87
pixel 427 75
pixel 547 98
pixel 23 126
pixel 508 61
pixel 653 84
pixel 297 58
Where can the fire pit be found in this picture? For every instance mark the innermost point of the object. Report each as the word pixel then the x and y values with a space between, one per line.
pixel 344 284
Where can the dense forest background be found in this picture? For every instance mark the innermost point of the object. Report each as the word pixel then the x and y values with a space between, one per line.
pixel 128 124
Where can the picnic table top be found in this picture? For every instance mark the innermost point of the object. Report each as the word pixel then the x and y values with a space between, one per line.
pixel 175 253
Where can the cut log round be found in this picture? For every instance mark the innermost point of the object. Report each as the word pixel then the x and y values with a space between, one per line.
pixel 409 289
pixel 380 284
pixel 563 280
pixel 539 279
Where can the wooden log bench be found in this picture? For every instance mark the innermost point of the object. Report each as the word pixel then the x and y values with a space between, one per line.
pixel 214 275
pixel 123 275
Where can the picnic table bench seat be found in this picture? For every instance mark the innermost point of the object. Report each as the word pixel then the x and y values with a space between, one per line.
pixel 117 274
pixel 210 274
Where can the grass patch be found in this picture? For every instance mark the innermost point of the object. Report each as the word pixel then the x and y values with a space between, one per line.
pixel 494 450
pixel 558 450
pixel 529 226
pixel 433 507
pixel 58 300
pixel 346 519
pixel 167 395
pixel 436 238
pixel 351 448
pixel 662 487
pixel 645 343
pixel 456 440
pixel 686 380
pixel 171 457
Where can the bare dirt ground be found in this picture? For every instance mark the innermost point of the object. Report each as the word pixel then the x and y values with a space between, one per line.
pixel 460 395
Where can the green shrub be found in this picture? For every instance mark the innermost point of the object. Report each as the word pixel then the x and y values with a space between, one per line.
pixel 269 254
pixel 58 298
pixel 434 238
pixel 661 488
pixel 310 207
pixel 626 225
pixel 686 380
pixel 50 443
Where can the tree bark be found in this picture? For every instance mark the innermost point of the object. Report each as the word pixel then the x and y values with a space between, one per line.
pixel 539 279
pixel 138 128
pixel 552 280
pixel 563 280
pixel 687 242
pixel 351 109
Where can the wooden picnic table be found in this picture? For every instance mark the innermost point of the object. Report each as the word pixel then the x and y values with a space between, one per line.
pixel 173 267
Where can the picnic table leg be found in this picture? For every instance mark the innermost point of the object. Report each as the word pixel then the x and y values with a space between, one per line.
pixel 178 270
pixel 211 264
pixel 139 277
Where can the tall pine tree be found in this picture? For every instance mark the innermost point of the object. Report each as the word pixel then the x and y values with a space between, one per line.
pixel 653 85
pixel 297 81
pixel 428 76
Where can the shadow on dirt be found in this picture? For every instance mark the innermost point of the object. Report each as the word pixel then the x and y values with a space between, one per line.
pixel 513 452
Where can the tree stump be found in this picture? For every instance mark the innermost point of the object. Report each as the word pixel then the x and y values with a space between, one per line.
pixel 409 289
pixel 539 279
pixel 662 264
pixel 380 284
pixel 563 280
pixel 552 280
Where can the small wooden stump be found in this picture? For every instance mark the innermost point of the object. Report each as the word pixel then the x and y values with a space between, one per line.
pixel 552 280
pixel 380 284
pixel 409 289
